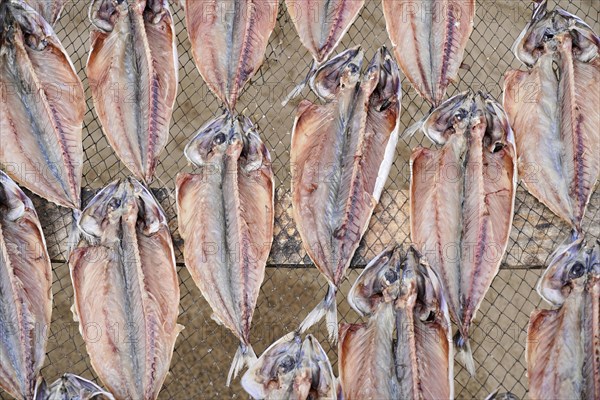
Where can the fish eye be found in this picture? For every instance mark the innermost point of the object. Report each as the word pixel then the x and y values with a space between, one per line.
pixel 114 203
pixel 353 68
pixel 390 276
pixel 497 147
pixel 287 364
pixel 577 270
pixel 220 138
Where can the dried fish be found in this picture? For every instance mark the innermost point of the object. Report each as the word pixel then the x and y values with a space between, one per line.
pixel 462 201
pixel 229 39
pixel 545 25
pixel 292 369
pixel 563 345
pixel 42 107
pixel 25 292
pixel 321 26
pixel 341 155
pixel 429 39
pixel 402 295
pixel 50 10
pixel 132 70
pixel 70 387
pixel 556 117
pixel 225 214
pixel 126 289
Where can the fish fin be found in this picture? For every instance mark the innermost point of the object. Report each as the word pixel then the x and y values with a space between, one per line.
pixel 74 312
pixel 326 308
pixel 464 355
pixel 243 356
pixel 300 87
pixel 216 318
pixel 74 233
pixel 41 389
pixel 411 130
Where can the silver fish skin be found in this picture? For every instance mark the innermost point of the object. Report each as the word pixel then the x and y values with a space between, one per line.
pixel 545 25
pixel 555 118
pixel 291 369
pixel 563 345
pixel 429 38
pixel 50 10
pixel 321 25
pixel 402 295
pixel 125 284
pixel 336 186
pixel 42 107
pixel 133 73
pixel 70 387
pixel 462 198
pixel 25 292
pixel 226 214
pixel 229 39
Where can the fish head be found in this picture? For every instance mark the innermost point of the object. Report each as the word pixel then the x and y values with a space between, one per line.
pixel 255 153
pixel 275 370
pixel 151 217
pixel 70 386
pixel 103 14
pixel 430 298
pixel 341 71
pixel 498 132
pixel 378 283
pixel 567 269
pixel 13 200
pixel 155 10
pixel 316 375
pixel 35 30
pixel 585 42
pixel 213 140
pixel 530 44
pixel 100 220
pixel 383 76
pixel 452 116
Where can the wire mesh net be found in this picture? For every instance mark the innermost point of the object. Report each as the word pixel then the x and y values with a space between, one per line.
pixel 292 286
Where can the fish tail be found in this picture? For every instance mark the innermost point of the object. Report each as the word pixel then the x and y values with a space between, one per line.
pixel 326 308
pixel 74 234
pixel 243 356
pixel 464 355
pixel 300 87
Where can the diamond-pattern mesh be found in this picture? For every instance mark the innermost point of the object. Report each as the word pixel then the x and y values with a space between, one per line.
pixel 292 286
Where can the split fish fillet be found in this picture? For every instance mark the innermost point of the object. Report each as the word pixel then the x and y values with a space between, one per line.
pixel 25 292
pixel 229 39
pixel 292 369
pixel 462 200
pixel 429 39
pixel 321 26
pixel 404 299
pixel 132 69
pixel 42 107
pixel 70 387
pixel 48 9
pixel 556 120
pixel 126 290
pixel 563 345
pixel 225 214
pixel 341 154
